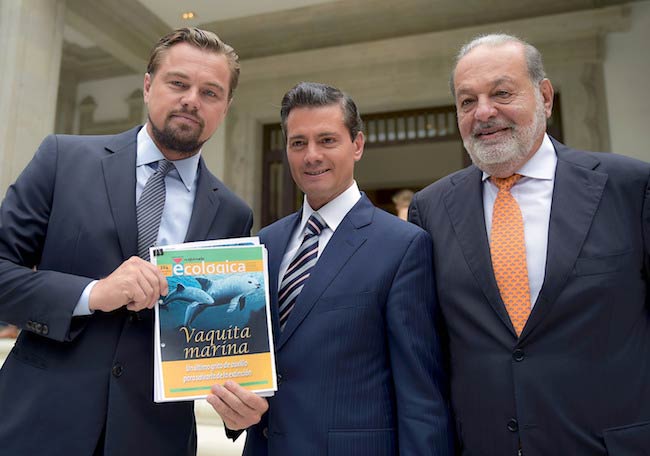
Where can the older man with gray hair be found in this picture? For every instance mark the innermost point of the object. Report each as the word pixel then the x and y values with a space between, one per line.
pixel 541 255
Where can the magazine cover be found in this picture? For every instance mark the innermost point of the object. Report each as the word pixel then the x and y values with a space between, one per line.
pixel 214 324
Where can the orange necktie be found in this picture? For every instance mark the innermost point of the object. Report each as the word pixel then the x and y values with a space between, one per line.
pixel 508 250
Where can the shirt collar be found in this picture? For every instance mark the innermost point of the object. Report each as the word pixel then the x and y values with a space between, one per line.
pixel 541 165
pixel 335 211
pixel 148 152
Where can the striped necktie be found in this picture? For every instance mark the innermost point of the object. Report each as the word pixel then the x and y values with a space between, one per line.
pixel 150 208
pixel 300 267
pixel 508 251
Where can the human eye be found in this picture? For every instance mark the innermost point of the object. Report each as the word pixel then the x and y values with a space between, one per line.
pixel 328 140
pixel 177 84
pixel 297 143
pixel 212 94
pixel 465 102
pixel 502 94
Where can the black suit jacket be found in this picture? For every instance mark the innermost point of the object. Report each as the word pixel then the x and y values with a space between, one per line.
pixel 577 381
pixel 72 214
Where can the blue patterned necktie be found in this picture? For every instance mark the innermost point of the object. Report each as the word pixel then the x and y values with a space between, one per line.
pixel 300 267
pixel 150 208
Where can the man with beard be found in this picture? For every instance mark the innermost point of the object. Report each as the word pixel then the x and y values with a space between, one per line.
pixel 75 230
pixel 541 255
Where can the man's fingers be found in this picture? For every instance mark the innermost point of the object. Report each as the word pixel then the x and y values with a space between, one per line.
pixel 230 417
pixel 247 398
pixel 238 407
pixel 136 284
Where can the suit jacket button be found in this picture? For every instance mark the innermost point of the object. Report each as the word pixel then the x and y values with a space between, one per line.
pixel 279 379
pixel 45 330
pixel 518 355
pixel 117 370
pixel 265 432
pixel 513 426
pixel 29 325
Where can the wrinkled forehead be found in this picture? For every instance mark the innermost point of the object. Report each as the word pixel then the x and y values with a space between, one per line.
pixel 491 63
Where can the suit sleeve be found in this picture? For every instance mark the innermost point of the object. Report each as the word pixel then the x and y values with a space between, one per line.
pixel 32 299
pixel 420 382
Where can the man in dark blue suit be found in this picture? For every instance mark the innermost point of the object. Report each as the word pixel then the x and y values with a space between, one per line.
pixel 557 361
pixel 79 380
pixel 357 356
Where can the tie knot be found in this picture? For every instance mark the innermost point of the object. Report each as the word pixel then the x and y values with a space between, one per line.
pixel 505 183
pixel 315 224
pixel 164 166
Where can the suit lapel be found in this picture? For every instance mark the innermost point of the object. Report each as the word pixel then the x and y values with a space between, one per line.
pixel 119 178
pixel 464 203
pixel 344 242
pixel 276 245
pixel 206 204
pixel 576 195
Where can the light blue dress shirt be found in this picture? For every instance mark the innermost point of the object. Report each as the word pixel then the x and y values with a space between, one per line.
pixel 180 185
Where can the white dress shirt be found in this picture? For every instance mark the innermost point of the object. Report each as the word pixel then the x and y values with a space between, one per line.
pixel 533 192
pixel 332 213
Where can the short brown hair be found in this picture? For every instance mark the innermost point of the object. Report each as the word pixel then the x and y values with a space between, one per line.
pixel 201 39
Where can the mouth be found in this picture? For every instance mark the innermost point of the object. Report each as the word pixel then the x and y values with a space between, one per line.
pixel 488 133
pixel 186 117
pixel 316 173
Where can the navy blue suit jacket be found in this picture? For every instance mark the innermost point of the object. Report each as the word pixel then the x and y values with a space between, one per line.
pixel 358 362
pixel 577 381
pixel 71 213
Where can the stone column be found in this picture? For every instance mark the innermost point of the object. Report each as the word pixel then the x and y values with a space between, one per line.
pixel 31 33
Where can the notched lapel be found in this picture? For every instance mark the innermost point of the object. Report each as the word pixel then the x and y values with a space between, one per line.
pixel 346 240
pixel 464 203
pixel 577 192
pixel 276 246
pixel 119 178
pixel 206 205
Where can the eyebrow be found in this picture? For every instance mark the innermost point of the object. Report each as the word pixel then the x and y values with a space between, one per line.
pixel 180 74
pixel 503 79
pixel 319 135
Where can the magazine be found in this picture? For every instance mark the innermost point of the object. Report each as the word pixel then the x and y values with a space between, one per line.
pixel 214 324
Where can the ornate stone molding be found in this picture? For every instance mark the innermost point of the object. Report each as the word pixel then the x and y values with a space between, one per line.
pixel 88 125
pixel 540 31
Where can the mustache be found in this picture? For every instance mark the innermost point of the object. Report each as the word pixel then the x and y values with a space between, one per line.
pixel 187 113
pixel 498 124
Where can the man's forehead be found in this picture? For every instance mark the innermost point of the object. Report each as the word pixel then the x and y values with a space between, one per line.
pixel 495 64
pixel 315 116
pixel 489 55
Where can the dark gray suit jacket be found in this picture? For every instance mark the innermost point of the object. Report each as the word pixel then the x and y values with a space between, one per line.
pixel 577 381
pixel 71 213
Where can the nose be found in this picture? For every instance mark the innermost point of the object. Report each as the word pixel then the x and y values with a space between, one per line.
pixel 485 109
pixel 313 154
pixel 190 99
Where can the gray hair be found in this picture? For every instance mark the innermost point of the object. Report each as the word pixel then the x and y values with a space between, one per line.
pixel 314 94
pixel 531 53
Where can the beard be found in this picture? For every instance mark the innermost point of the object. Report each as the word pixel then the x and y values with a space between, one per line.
pixel 181 139
pixel 499 157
